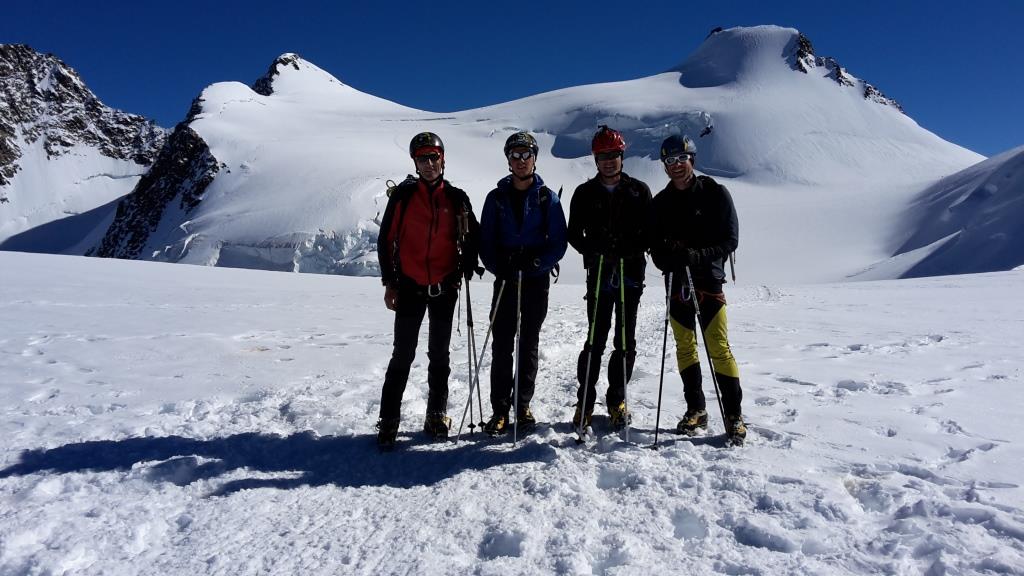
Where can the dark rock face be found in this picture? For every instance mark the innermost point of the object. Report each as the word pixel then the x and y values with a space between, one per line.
pixel 875 95
pixel 835 71
pixel 183 170
pixel 265 85
pixel 41 98
pixel 803 59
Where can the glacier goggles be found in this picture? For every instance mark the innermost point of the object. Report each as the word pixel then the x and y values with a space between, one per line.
pixel 604 156
pixel 670 160
pixel 524 155
pixel 429 157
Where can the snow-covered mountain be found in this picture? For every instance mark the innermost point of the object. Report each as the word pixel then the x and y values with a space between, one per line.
pixel 967 222
pixel 64 155
pixel 290 174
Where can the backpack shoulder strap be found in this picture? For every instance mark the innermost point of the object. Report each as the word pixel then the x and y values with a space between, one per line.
pixel 545 210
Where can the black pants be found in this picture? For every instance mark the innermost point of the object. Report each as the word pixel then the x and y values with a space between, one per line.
pixel 534 308
pixel 609 300
pixel 413 302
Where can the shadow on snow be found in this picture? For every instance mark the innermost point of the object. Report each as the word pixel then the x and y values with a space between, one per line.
pixel 347 461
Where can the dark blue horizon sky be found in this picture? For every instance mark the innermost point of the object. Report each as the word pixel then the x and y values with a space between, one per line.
pixel 954 66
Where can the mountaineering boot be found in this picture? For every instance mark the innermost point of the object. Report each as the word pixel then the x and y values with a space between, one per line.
pixel 579 416
pixel 735 429
pixel 387 431
pixel 437 425
pixel 525 419
pixel 497 425
pixel 619 416
pixel 693 421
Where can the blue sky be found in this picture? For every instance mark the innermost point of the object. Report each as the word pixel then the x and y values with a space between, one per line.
pixel 954 66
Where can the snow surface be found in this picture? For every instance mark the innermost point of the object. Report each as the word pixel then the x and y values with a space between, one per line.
pixel 187 420
pixel 819 174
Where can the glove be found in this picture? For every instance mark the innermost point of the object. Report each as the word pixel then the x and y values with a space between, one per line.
pixel 391 297
pixel 468 272
pixel 684 256
pixel 517 261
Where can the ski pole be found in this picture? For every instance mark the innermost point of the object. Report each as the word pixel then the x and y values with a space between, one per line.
pixel 664 348
pixel 476 382
pixel 483 350
pixel 625 343
pixel 471 348
pixel 581 428
pixel 704 337
pixel 519 337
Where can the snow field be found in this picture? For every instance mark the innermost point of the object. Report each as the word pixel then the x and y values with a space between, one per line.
pixel 189 420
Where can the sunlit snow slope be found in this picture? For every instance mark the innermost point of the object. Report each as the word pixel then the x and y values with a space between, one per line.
pixel 821 169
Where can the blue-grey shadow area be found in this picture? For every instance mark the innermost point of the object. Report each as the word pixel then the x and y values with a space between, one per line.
pixel 344 461
pixel 643 135
pixel 975 214
pixel 59 235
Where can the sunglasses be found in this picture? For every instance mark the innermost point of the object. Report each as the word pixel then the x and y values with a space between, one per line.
pixel 432 157
pixel 670 160
pixel 603 156
pixel 524 156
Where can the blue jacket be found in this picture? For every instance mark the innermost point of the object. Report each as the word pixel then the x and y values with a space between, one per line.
pixel 535 246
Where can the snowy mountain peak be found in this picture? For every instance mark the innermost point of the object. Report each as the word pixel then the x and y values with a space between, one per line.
pixel 290 73
pixel 63 153
pixel 42 75
pixel 734 54
pixel 759 52
pixel 44 100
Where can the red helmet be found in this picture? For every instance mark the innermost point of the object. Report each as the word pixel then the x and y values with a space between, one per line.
pixel 607 140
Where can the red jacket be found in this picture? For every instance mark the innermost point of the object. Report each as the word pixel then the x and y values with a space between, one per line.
pixel 425 229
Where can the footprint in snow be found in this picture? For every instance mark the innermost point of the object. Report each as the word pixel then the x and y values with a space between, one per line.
pixel 791 380
pixel 871 495
pixel 787 416
pixel 497 543
pixel 955 455
pixel 44 395
pixel 852 385
pixel 688 525
pixel 886 431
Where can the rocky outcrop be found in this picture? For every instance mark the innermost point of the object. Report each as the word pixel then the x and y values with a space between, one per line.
pixel 804 60
pixel 875 95
pixel 43 99
pixel 265 85
pixel 183 170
